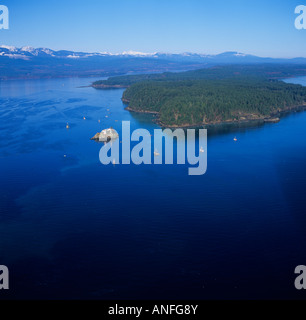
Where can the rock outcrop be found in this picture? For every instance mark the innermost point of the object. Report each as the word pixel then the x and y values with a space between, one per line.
pixel 106 135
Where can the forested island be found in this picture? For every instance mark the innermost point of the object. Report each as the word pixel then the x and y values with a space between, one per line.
pixel 216 95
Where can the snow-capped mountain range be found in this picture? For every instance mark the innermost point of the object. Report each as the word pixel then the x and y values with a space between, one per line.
pixel 44 62
pixel 28 52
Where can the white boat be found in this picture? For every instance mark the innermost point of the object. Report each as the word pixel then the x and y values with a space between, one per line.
pixel 156 153
pixel 201 149
pixel 67 126
pixel 235 139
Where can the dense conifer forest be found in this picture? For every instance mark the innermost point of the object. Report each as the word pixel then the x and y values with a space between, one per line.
pixel 219 94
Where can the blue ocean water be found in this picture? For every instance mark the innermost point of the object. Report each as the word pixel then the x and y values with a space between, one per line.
pixel 71 228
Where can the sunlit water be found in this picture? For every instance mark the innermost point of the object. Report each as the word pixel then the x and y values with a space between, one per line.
pixel 73 228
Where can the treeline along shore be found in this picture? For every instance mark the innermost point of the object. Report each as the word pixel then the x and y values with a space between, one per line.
pixel 223 94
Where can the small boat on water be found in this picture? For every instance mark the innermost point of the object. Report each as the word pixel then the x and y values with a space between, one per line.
pixel 84 118
pixel 67 126
pixel 235 139
pixel 156 153
pixel 201 149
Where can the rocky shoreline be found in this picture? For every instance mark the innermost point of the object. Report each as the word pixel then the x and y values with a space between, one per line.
pixel 243 119
pixel 251 118
pixel 106 86
pixel 144 111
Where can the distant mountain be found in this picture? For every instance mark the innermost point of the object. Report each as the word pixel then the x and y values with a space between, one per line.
pixel 28 62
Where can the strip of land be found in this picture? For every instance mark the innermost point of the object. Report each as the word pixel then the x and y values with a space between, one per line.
pixel 225 94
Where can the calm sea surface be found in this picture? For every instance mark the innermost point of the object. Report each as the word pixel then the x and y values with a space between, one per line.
pixel 73 228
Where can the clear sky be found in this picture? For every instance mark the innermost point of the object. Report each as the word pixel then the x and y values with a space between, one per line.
pixel 260 27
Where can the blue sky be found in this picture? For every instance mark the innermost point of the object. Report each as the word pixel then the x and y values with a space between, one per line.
pixel 262 27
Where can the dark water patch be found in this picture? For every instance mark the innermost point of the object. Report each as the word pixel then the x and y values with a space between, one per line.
pixel 72 228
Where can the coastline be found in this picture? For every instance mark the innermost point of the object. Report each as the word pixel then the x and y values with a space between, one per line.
pixel 108 86
pixel 274 117
pixel 250 118
pixel 140 111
